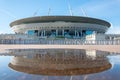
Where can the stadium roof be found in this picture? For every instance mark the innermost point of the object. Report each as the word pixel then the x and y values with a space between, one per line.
pixel 77 19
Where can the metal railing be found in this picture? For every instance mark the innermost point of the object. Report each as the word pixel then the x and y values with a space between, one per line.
pixel 61 42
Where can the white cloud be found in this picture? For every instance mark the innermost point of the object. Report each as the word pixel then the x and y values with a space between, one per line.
pixel 6 12
pixel 1 32
pixel 99 8
pixel 114 30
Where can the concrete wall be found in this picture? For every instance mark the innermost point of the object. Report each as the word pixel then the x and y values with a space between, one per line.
pixel 17 36
pixel 95 37
pixel 109 48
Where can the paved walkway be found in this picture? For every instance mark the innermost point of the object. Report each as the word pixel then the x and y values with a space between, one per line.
pixel 110 48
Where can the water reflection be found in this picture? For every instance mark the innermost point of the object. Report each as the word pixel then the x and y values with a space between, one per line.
pixel 59 62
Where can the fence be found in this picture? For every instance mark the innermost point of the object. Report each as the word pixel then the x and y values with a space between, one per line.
pixel 61 42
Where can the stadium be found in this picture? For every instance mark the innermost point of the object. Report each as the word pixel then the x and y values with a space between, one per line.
pixel 72 27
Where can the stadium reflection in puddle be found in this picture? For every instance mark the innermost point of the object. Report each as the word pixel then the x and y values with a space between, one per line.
pixel 59 62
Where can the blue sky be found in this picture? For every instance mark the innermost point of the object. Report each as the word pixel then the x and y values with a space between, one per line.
pixel 11 10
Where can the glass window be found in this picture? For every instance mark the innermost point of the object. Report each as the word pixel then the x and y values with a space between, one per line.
pixel 89 32
pixel 31 32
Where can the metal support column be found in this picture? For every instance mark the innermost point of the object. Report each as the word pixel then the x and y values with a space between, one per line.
pixel 44 33
pixel 63 32
pixel 56 32
pixel 81 33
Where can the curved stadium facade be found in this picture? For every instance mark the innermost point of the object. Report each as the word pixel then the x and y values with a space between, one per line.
pixel 60 26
